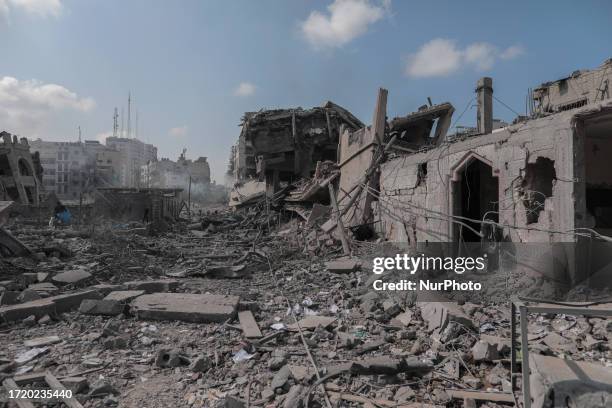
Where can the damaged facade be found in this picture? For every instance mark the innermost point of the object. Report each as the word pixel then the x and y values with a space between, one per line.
pixel 274 306
pixel 280 146
pixel 20 171
pixel 544 179
pixel 138 204
pixel 166 173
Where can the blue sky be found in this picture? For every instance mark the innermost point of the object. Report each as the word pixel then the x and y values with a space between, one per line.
pixel 194 67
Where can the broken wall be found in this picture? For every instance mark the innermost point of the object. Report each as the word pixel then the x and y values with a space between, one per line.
pixel 534 166
pixel 18 173
pixel 579 89
pixel 133 204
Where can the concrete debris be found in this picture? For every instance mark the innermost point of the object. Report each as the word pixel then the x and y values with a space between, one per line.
pixel 561 383
pixel 192 308
pixel 101 307
pixel 122 307
pixel 41 341
pixel 312 322
pixel 342 266
pixel 249 325
pixel 72 277
pixel 484 351
pixel 439 314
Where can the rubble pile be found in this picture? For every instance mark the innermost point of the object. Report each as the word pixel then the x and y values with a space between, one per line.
pixel 234 310
pixel 275 304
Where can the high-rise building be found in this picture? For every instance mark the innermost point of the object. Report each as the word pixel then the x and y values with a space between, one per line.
pixel 71 168
pixel 135 155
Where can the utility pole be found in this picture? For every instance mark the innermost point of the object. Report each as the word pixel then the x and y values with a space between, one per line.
pixel 136 126
pixel 79 134
pixel 189 199
pixel 122 122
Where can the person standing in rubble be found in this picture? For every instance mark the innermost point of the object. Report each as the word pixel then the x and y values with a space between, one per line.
pixel 61 215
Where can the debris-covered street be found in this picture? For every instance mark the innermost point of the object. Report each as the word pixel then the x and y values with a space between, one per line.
pixel 252 310
pixel 322 204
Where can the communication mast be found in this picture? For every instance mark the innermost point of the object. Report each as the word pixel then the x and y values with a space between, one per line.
pixel 115 123
pixel 129 125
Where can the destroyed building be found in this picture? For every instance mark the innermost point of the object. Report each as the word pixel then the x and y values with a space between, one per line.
pixel 273 305
pixel 540 180
pixel 283 145
pixel 138 204
pixel 581 88
pixel 19 171
pixel 166 173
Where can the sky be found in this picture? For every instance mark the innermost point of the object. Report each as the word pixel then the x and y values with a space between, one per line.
pixel 194 67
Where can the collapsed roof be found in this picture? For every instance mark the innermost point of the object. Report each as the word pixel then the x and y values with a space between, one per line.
pixel 289 142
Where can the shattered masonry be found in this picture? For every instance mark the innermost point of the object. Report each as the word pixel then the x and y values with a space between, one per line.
pixel 19 174
pixel 147 303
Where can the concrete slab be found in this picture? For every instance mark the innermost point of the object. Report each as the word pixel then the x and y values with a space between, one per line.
pixel 101 307
pixel 558 382
pixel 105 288
pixel 153 286
pixel 38 308
pixel 439 314
pixel 124 296
pixel 185 307
pixel 72 277
pixel 71 301
pixel 249 325
pixel 44 287
pixel 342 266
pixel 41 341
pixel 312 322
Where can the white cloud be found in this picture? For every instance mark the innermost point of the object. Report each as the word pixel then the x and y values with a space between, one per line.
pixel 178 131
pixel 442 57
pixel 39 8
pixel 512 52
pixel 438 57
pixel 346 20
pixel 25 106
pixel 245 89
pixel 481 55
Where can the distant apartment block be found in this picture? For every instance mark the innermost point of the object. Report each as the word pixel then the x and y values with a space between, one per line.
pixel 166 173
pixel 72 168
pixel 135 155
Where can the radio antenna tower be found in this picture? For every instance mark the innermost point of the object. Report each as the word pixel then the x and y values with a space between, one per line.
pixel 115 123
pixel 129 125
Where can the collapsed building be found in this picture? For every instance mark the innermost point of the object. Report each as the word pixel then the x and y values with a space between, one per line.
pixel 305 326
pixel 20 171
pixel 283 145
pixel 139 204
pixel 543 179
pixel 166 173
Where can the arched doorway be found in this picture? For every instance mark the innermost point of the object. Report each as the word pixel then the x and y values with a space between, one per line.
pixel 475 197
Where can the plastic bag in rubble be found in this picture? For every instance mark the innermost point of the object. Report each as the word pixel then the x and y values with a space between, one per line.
pixel 242 355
